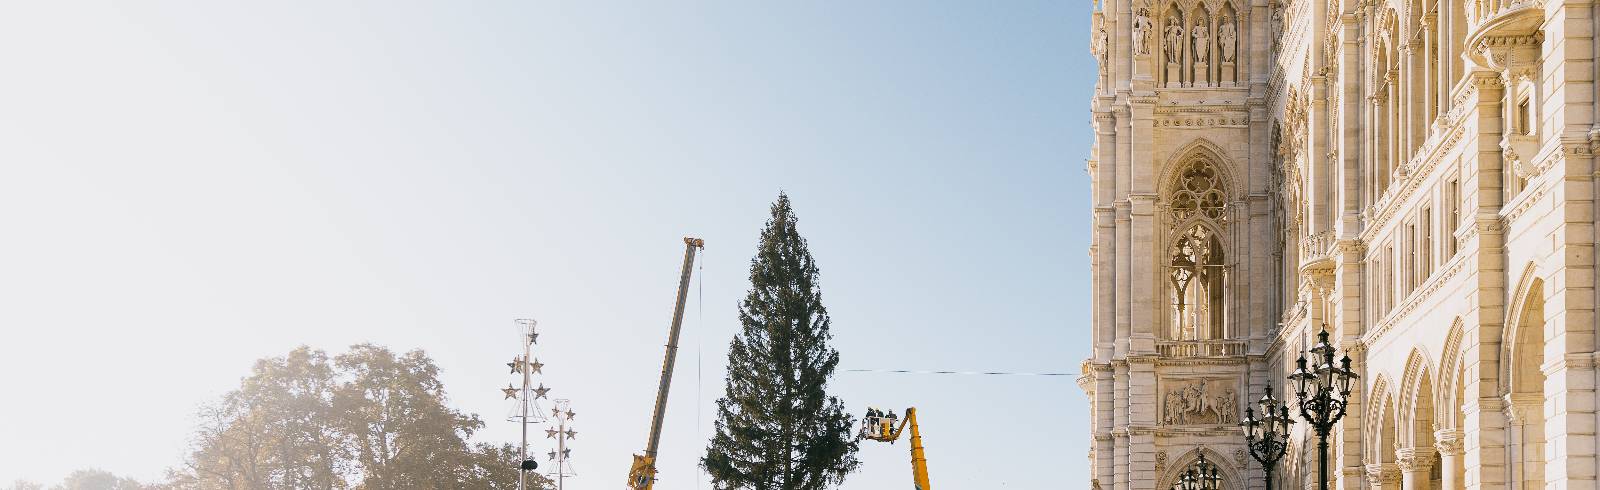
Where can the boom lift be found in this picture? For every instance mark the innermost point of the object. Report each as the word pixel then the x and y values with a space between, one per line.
pixel 880 427
pixel 642 476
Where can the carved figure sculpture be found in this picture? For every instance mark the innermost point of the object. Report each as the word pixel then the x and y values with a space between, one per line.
pixel 1227 39
pixel 1174 41
pixel 1200 402
pixel 1141 32
pixel 1202 44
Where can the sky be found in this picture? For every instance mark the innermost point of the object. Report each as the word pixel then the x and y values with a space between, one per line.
pixel 186 187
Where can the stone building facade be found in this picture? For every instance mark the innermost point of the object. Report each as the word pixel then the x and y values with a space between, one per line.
pixel 1415 176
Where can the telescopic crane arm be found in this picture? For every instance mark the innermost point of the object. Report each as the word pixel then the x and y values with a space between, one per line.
pixel 879 427
pixel 642 475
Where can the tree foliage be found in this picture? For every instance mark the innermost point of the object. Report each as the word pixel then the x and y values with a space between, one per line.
pixel 366 419
pixel 777 427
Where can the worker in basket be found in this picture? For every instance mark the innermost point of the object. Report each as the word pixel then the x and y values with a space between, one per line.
pixel 887 423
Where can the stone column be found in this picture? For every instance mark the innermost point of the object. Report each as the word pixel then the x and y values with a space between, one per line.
pixel 1414 465
pixel 1383 476
pixel 1448 442
pixel 1402 115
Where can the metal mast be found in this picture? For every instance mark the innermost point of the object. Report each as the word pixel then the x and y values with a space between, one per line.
pixel 526 412
pixel 563 432
pixel 643 473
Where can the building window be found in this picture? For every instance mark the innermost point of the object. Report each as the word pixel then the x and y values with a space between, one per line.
pixel 1196 267
pixel 1524 117
pixel 1426 249
pixel 1452 216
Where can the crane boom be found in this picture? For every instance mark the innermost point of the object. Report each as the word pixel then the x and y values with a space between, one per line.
pixel 643 473
pixel 878 427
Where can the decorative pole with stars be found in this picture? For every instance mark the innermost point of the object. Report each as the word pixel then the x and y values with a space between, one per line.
pixel 562 432
pixel 527 396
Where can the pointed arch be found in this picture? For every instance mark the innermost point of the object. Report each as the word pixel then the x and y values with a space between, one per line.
pixel 1418 401
pixel 1200 147
pixel 1197 189
pixel 1231 476
pixel 1451 380
pixel 1379 421
pixel 1529 291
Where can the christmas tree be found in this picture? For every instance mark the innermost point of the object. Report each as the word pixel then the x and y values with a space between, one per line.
pixel 777 427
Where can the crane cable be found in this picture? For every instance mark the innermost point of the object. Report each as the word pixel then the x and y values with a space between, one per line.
pixel 700 332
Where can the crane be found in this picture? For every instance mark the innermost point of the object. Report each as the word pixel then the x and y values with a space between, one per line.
pixel 880 427
pixel 642 475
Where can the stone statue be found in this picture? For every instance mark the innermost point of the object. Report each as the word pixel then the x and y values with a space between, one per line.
pixel 1174 415
pixel 1227 411
pixel 1227 39
pixel 1141 32
pixel 1202 43
pixel 1174 41
pixel 1098 44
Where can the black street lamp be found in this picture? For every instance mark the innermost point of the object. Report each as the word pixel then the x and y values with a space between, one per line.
pixel 1268 437
pixel 1202 475
pixel 1324 391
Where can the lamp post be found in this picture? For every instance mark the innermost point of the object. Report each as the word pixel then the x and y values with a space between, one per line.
pixel 1202 475
pixel 1268 438
pixel 1323 390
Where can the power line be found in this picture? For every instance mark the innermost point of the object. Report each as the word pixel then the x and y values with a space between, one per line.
pixel 963 373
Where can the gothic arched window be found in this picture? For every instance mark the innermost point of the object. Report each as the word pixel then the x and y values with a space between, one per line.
pixel 1196 272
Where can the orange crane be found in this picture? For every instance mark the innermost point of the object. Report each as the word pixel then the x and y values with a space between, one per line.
pixel 880 427
pixel 642 475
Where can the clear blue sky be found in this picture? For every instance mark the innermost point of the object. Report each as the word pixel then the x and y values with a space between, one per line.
pixel 188 186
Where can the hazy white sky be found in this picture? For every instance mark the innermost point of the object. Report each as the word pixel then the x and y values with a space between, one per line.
pixel 186 187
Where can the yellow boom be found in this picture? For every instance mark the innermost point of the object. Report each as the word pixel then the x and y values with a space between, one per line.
pixel 881 427
pixel 642 474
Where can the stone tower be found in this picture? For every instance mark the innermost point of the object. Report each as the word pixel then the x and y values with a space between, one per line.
pixel 1414 176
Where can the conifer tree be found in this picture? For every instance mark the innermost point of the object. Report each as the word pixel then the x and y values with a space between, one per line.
pixel 777 427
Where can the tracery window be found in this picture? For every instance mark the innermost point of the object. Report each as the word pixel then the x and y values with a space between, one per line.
pixel 1196 271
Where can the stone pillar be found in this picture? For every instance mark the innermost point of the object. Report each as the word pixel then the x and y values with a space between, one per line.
pixel 1414 466
pixel 1448 442
pixel 1402 115
pixel 1382 476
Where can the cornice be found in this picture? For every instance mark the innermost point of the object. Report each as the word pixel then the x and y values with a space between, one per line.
pixel 1415 300
pixel 1389 205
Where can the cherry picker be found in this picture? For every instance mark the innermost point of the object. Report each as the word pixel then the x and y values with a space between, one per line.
pixel 879 426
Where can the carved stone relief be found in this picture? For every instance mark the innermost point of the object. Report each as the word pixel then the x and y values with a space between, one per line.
pixel 1200 402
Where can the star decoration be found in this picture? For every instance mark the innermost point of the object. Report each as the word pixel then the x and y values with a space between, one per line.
pixel 566 453
pixel 536 367
pixel 555 412
pixel 510 391
pixel 515 365
pixel 533 337
pixel 572 434
pixel 552 455
pixel 550 433
pixel 571 414
pixel 540 391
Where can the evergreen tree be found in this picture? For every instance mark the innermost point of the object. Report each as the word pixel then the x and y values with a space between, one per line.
pixel 777 427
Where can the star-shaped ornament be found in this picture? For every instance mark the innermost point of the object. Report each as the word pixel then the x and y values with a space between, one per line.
pixel 540 391
pixel 555 412
pixel 515 365
pixel 572 434
pixel 510 391
pixel 552 455
pixel 566 454
pixel 533 337
pixel 536 367
pixel 551 433
pixel 571 414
